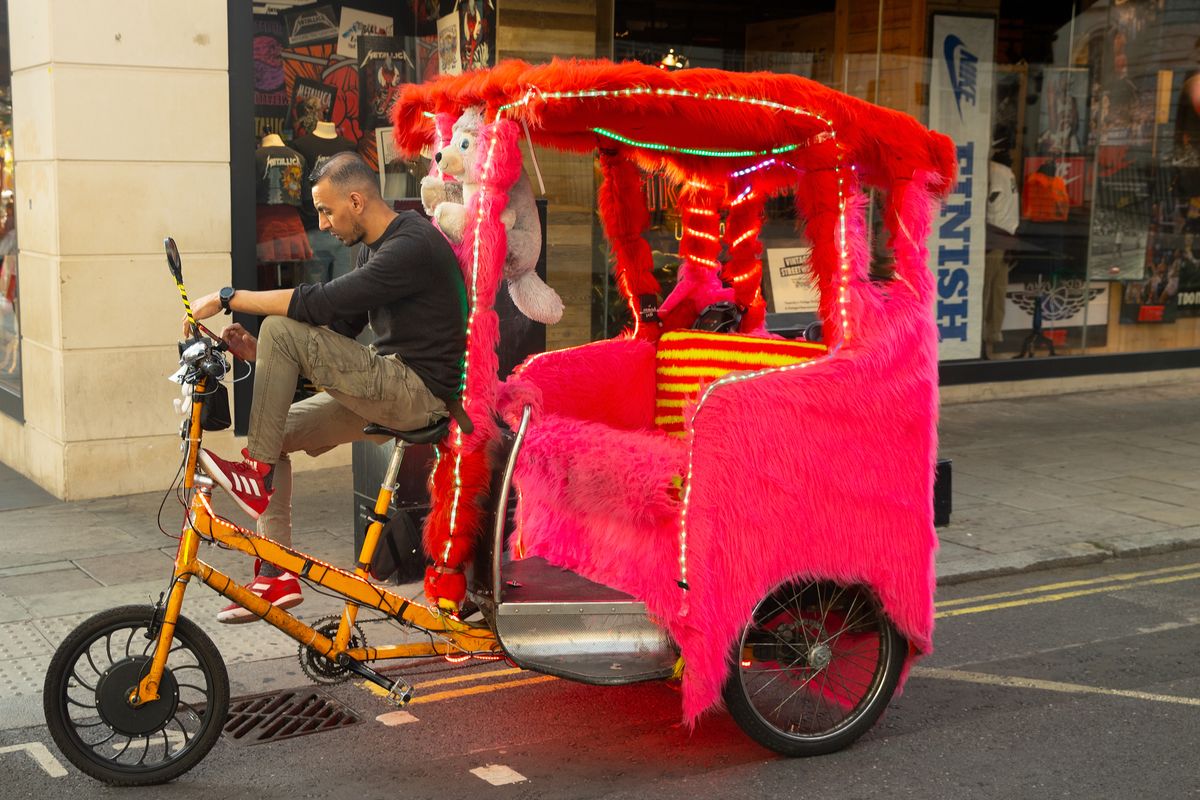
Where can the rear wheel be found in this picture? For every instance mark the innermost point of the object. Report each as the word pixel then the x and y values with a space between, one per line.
pixel 91 676
pixel 815 668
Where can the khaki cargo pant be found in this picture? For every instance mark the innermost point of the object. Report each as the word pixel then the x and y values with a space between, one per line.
pixel 360 386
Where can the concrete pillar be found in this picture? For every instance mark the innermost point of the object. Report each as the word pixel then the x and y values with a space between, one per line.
pixel 121 137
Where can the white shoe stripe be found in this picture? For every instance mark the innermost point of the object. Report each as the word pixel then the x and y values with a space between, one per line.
pixel 236 480
pixel 254 486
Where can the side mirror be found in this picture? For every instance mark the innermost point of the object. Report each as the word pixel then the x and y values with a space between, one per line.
pixel 173 261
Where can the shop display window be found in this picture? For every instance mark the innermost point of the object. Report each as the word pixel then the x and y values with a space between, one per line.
pixel 325 78
pixel 1075 226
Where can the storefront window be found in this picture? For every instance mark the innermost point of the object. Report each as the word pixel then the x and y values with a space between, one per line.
pixel 10 326
pixel 325 78
pixel 1075 226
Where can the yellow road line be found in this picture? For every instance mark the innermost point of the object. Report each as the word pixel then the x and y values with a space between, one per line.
pixel 480 689
pixel 468 677
pixel 469 690
pixel 1051 598
pixel 1125 576
pixel 1050 686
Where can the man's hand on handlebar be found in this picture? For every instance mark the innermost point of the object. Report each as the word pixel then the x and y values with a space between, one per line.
pixel 203 308
pixel 240 341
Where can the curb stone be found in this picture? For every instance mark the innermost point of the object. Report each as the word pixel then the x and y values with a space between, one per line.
pixel 988 565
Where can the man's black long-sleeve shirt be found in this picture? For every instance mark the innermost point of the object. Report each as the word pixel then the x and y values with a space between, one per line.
pixel 408 286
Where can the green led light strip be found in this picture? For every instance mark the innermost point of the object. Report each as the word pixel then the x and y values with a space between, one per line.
pixel 694 151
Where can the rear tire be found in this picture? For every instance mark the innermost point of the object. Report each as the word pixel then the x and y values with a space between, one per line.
pixel 814 669
pixel 95 668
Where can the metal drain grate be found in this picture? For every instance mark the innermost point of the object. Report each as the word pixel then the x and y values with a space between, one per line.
pixel 285 714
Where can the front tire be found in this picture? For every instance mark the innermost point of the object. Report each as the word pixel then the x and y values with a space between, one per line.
pixel 814 669
pixel 92 673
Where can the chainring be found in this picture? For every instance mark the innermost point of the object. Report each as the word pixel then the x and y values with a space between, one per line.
pixel 317 667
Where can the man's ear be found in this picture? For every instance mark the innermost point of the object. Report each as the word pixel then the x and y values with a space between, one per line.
pixel 357 201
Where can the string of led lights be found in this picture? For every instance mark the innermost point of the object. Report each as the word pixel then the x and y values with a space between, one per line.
pixel 458 434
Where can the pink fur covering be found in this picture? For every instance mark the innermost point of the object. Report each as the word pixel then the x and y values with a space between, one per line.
pixel 822 472
pixel 455 517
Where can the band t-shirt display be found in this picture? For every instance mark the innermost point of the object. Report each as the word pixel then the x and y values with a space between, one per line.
pixel 316 150
pixel 281 172
pixel 278 191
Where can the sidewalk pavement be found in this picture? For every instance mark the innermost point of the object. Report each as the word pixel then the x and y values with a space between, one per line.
pixel 1037 482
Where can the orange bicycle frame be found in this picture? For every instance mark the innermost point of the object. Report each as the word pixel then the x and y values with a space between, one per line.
pixel 448 634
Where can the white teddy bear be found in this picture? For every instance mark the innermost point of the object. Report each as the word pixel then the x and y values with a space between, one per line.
pixel 446 202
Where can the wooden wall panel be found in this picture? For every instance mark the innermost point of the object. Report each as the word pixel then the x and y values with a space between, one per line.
pixel 902 62
pixel 537 31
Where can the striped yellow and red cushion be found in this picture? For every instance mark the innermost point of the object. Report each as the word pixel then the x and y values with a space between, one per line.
pixel 687 360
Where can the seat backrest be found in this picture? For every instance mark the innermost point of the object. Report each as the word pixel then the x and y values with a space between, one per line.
pixel 687 361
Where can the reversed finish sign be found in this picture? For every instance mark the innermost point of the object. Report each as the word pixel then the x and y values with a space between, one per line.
pixel 960 106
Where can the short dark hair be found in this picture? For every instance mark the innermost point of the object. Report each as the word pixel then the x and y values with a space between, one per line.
pixel 348 173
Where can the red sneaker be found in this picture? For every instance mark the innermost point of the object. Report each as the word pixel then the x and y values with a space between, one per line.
pixel 283 592
pixel 244 481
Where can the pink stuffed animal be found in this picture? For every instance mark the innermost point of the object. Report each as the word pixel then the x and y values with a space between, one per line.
pixel 697 288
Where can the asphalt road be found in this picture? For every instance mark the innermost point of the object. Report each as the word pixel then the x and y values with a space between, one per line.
pixel 1080 682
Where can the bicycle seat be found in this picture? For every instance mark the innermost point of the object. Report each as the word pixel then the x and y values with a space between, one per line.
pixel 427 435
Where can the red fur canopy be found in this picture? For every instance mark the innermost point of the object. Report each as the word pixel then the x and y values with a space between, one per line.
pixel 883 144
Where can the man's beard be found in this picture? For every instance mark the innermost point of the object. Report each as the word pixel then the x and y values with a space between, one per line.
pixel 356 235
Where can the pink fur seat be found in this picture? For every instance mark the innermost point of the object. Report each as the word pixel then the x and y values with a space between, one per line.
pixel 598 482
pixel 599 500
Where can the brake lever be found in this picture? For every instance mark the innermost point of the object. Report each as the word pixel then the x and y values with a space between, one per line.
pixel 218 342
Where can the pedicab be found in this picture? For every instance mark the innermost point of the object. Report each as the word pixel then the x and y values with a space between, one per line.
pixel 695 498
pixel 760 506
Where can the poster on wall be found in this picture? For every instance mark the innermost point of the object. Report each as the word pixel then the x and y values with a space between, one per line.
pixel 960 100
pixel 1062 312
pixel 1124 106
pixel 1183 197
pixel 311 25
pixel 270 85
pixel 448 44
pixel 425 15
pixel 477 32
pixel 312 102
pixel 789 280
pixel 466 32
pixel 1063 112
pixel 396 177
pixel 355 23
pixel 384 66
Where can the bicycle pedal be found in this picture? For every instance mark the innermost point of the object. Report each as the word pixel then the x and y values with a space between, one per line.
pixel 400 692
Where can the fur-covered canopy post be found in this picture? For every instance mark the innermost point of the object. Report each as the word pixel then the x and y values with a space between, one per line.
pixel 821 469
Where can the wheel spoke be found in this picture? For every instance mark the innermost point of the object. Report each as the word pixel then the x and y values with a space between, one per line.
pixel 123 749
pixel 182 729
pixel 129 642
pixel 76 724
pixel 75 702
pixel 792 668
pixel 785 700
pixel 194 688
pixel 762 688
pixel 82 682
pixel 88 654
pixel 790 645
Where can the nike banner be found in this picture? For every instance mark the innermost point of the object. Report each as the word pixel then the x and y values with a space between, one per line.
pixel 960 106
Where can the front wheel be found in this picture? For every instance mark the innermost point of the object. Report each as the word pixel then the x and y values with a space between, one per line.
pixel 91 675
pixel 815 668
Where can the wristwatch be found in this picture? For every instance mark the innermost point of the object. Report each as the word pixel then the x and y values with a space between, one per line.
pixel 226 295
